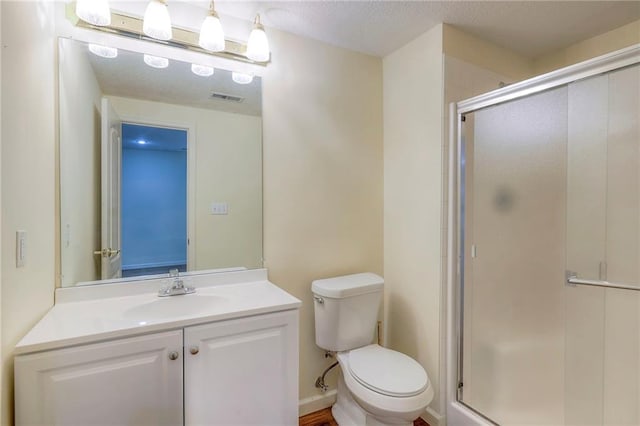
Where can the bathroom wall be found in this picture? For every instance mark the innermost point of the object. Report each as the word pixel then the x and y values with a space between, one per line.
pixel 488 56
pixel 227 157
pixel 616 39
pixel 413 106
pixel 323 193
pixel 28 174
pixel 79 112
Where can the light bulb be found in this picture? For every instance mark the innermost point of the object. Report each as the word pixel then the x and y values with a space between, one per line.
pixel 156 61
pixel 95 12
pixel 201 70
pixel 241 78
pixel 258 45
pixel 103 51
pixel 157 22
pixel 211 34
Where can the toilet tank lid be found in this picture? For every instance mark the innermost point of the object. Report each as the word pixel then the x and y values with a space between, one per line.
pixel 348 285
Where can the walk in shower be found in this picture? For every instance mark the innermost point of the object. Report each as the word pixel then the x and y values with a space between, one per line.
pixel 545 282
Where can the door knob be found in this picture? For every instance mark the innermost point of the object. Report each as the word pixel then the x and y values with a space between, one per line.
pixel 107 252
pixel 173 355
pixel 194 350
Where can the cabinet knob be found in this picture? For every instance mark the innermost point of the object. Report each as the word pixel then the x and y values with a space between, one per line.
pixel 194 350
pixel 173 355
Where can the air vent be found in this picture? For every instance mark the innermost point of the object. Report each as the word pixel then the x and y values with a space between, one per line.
pixel 225 97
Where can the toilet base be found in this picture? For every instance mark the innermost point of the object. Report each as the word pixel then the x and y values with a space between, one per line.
pixel 347 412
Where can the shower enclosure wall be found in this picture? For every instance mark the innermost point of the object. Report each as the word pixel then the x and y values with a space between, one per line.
pixel 544 297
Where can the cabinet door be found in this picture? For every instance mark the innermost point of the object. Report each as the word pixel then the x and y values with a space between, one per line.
pixel 243 372
pixel 131 381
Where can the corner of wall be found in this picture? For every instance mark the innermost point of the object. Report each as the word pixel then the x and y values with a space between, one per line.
pixel 484 54
pixel 413 93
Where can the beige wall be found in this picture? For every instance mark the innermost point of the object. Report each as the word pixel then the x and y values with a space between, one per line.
pixel 28 173
pixel 323 198
pixel 468 48
pixel 79 114
pixel 227 156
pixel 616 39
pixel 413 100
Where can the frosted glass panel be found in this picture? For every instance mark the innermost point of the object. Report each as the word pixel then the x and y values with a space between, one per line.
pixel 514 293
pixel 603 234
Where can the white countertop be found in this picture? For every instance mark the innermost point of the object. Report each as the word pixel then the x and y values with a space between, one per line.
pixel 89 314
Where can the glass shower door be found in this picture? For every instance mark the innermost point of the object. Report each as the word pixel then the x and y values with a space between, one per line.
pixel 551 184
pixel 514 256
pixel 603 238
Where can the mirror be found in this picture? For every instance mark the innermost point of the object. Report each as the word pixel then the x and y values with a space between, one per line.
pixel 160 168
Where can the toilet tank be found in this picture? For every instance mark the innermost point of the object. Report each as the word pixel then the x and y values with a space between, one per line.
pixel 346 310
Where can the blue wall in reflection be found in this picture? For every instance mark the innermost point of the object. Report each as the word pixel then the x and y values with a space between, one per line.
pixel 154 197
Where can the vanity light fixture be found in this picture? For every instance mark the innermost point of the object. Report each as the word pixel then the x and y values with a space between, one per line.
pixel 156 27
pixel 258 45
pixel 156 61
pixel 211 34
pixel 241 78
pixel 202 70
pixel 96 12
pixel 103 51
pixel 157 22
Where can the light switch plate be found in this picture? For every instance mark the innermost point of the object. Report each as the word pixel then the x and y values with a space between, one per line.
pixel 219 208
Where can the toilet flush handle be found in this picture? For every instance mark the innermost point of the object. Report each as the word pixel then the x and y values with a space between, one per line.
pixel 318 299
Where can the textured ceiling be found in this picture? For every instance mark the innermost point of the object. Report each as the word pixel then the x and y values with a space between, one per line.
pixel 531 28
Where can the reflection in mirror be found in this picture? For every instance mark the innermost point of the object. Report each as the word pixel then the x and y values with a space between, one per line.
pixel 160 168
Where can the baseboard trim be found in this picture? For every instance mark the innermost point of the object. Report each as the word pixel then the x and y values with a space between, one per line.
pixel 432 417
pixel 316 402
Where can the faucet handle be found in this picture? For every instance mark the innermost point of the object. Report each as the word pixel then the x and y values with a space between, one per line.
pixel 174 273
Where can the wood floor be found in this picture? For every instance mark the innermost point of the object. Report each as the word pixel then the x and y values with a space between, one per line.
pixel 324 418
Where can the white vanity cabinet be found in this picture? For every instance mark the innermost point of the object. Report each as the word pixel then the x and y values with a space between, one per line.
pixel 240 371
pixel 135 381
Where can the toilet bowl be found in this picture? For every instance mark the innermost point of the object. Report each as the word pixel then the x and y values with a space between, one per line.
pixel 387 388
pixel 378 386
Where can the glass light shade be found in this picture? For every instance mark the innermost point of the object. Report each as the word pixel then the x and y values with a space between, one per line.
pixel 211 34
pixel 95 12
pixel 241 78
pixel 202 70
pixel 258 45
pixel 103 51
pixel 157 22
pixel 156 61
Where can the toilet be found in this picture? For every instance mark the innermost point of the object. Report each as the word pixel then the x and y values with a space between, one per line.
pixel 378 386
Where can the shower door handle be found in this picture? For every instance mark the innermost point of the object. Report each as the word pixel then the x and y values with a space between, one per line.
pixel 573 279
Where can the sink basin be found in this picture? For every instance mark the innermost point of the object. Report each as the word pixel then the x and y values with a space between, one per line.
pixel 173 306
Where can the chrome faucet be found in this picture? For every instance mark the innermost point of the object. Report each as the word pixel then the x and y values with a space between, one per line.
pixel 176 287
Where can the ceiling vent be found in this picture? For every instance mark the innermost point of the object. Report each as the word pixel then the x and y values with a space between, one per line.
pixel 225 97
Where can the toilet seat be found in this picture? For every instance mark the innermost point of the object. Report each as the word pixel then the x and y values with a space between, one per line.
pixel 387 372
pixel 380 404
